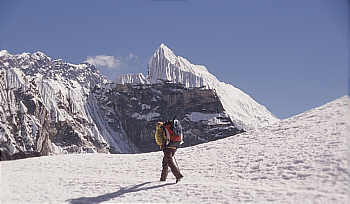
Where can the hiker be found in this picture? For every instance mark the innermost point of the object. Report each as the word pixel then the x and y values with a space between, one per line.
pixel 169 137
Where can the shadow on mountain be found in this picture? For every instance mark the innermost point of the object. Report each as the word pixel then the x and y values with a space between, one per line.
pixel 110 196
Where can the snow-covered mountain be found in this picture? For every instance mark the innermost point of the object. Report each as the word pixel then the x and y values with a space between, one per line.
pixel 46 106
pixel 244 111
pixel 303 159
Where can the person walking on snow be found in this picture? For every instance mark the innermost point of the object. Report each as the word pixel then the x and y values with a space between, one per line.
pixel 169 137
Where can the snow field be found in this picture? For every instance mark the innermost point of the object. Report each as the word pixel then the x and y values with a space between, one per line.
pixel 302 159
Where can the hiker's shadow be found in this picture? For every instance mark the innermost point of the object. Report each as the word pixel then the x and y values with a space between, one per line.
pixel 109 196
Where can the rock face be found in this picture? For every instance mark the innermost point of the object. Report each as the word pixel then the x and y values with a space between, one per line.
pixel 25 121
pixel 243 111
pixel 142 106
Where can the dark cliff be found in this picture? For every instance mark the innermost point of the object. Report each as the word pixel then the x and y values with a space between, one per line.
pixel 140 107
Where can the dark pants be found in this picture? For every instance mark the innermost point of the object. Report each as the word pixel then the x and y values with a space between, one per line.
pixel 168 162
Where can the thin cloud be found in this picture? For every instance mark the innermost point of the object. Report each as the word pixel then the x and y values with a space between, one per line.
pixel 112 66
pixel 132 56
pixel 104 61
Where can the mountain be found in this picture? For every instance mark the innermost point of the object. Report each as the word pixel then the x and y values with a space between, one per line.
pixel 304 158
pixel 244 112
pixel 53 107
pixel 46 106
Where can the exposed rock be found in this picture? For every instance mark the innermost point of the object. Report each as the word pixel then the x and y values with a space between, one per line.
pixel 140 107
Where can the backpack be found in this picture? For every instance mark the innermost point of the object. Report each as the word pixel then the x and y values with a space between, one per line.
pixel 160 134
pixel 173 131
pixel 177 128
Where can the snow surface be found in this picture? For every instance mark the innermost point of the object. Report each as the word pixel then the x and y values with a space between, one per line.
pixel 243 110
pixel 3 53
pixel 302 159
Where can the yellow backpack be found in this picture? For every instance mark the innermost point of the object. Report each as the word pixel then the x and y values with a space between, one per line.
pixel 160 134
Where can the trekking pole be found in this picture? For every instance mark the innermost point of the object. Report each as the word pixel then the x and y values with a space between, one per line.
pixel 176 163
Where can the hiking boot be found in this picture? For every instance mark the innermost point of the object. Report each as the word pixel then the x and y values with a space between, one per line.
pixel 178 179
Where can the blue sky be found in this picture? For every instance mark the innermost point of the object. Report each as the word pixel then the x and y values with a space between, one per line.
pixel 288 55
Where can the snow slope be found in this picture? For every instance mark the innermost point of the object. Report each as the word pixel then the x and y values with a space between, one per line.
pixel 302 159
pixel 244 111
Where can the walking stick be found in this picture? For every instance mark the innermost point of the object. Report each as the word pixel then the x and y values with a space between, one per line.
pixel 176 163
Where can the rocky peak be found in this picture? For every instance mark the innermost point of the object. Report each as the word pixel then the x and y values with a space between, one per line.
pixel 40 65
pixel 165 52
pixel 40 56
pixel 244 111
